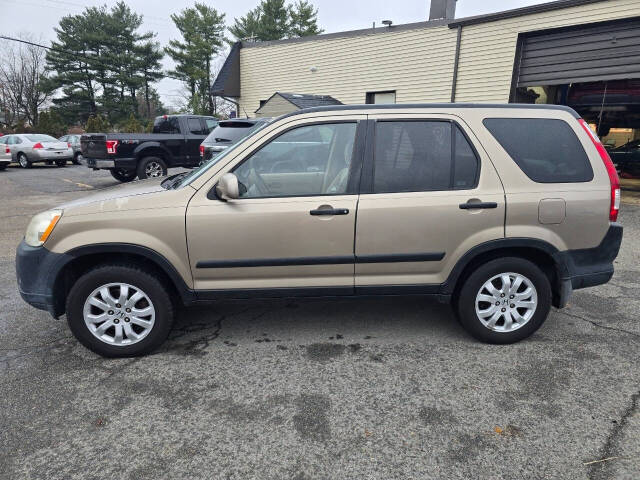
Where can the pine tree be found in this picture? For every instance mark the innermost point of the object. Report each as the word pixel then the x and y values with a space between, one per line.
pixel 274 20
pixel 51 123
pixel 303 20
pixel 202 29
pixel 97 124
pixel 247 27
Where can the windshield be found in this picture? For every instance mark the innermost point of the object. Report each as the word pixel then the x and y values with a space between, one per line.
pixel 190 177
pixel 41 138
pixel 231 132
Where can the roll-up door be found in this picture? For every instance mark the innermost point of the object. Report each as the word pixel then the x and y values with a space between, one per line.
pixel 588 53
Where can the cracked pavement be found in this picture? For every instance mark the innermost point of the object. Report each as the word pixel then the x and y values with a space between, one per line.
pixel 388 388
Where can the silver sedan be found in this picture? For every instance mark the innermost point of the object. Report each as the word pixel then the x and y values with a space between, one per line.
pixel 29 148
pixel 5 154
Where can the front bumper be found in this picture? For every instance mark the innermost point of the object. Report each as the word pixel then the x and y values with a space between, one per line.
pixel 37 269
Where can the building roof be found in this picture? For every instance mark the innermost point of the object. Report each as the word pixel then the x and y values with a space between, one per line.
pixel 302 100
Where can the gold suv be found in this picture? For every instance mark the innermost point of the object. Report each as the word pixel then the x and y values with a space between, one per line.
pixel 503 210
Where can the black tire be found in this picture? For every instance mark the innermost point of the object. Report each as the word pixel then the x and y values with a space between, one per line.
pixel 24 161
pixel 123 176
pixel 3 166
pixel 76 159
pixel 150 167
pixel 466 298
pixel 61 163
pixel 154 288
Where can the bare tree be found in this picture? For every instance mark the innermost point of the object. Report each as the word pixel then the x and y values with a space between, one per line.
pixel 23 92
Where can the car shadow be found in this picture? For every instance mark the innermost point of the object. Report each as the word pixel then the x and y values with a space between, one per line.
pixel 296 322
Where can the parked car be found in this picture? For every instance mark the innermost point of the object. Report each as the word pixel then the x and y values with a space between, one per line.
pixel 74 142
pixel 626 158
pixel 501 210
pixel 175 142
pixel 227 133
pixel 5 154
pixel 30 148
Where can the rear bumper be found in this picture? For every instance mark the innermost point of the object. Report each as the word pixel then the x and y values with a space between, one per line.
pixel 588 267
pixel 127 164
pixel 44 155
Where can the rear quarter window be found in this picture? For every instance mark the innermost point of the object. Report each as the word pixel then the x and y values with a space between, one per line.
pixel 546 150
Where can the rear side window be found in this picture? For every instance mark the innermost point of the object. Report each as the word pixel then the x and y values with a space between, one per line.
pixel 166 125
pixel 422 156
pixel 546 150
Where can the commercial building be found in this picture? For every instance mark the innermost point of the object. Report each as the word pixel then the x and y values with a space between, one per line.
pixel 582 53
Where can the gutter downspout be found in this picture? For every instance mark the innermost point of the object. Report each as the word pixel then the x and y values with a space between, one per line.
pixel 456 63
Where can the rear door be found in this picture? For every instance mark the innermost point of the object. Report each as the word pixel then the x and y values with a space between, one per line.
pixel 429 194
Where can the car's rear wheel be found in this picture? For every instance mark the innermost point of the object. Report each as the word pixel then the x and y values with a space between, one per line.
pixel 123 175
pixel 120 311
pixel 504 300
pixel 151 167
pixel 77 159
pixel 24 161
pixel 3 166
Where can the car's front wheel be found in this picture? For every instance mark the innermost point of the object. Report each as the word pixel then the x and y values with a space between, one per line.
pixel 504 300
pixel 120 311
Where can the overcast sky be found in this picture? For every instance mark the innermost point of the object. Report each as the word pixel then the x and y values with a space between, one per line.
pixel 39 17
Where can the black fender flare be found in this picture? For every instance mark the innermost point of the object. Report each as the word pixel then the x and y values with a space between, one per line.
pixel 139 151
pixel 546 248
pixel 63 260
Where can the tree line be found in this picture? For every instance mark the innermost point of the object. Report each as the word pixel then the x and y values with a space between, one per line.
pixel 102 68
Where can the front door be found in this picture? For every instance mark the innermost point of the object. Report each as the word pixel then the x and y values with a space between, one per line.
pixel 292 229
pixel 429 194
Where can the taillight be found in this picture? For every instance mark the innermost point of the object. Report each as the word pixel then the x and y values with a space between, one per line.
pixel 69 144
pixel 614 207
pixel 7 149
pixel 202 150
pixel 37 145
pixel 112 146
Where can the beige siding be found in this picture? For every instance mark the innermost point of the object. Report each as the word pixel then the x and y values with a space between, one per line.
pixel 275 107
pixel 418 64
pixel 489 49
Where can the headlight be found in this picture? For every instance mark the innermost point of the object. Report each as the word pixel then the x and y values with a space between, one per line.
pixel 41 227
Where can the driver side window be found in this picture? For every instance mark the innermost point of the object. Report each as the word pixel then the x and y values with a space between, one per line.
pixel 305 161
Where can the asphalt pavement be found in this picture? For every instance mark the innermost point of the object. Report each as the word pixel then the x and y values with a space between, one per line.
pixel 376 388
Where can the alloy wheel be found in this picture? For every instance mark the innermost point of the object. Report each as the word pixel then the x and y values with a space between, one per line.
pixel 153 169
pixel 506 302
pixel 119 314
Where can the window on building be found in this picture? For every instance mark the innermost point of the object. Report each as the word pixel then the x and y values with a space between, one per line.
pixel 546 150
pixel 387 97
pixel 422 156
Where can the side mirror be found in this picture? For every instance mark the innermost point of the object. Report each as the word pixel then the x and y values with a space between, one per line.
pixel 228 187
